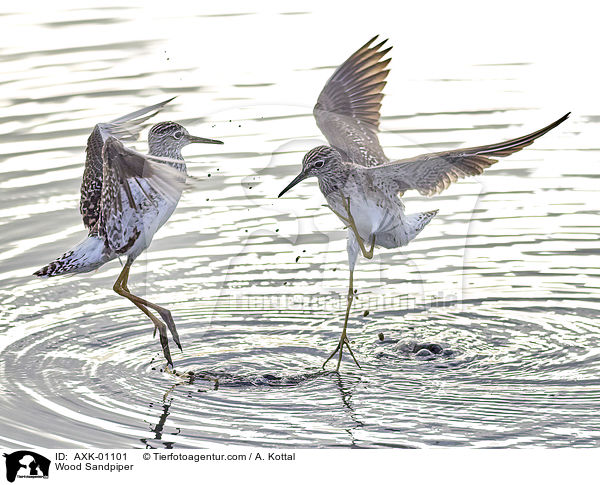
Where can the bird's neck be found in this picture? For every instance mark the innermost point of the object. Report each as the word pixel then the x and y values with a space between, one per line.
pixel 157 150
pixel 335 179
pixel 162 150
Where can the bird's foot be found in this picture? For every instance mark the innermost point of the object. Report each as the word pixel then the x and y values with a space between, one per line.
pixel 164 340
pixel 168 319
pixel 340 350
pixel 368 254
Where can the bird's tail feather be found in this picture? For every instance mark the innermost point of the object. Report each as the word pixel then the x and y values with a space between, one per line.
pixel 416 222
pixel 403 233
pixel 88 255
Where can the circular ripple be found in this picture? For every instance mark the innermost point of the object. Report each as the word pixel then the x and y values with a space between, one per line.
pixel 509 376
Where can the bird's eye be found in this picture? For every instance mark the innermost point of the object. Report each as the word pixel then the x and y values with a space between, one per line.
pixel 177 135
pixel 319 164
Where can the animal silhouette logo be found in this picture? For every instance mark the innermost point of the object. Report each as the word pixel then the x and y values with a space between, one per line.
pixel 26 463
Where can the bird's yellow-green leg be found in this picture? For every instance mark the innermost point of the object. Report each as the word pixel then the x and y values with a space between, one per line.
pixel 163 312
pixel 120 287
pixel 367 254
pixel 350 221
pixel 344 339
pixel 345 220
pixel 122 282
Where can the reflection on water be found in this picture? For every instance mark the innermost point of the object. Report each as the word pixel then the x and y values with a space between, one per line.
pixel 257 284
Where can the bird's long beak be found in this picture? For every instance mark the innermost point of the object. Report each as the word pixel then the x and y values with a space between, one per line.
pixel 198 139
pixel 301 176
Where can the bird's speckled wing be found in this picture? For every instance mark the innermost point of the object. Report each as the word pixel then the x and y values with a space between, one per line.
pixel 347 111
pixel 126 127
pixel 434 172
pixel 135 189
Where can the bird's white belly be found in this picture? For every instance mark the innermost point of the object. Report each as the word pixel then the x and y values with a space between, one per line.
pixel 371 218
pixel 151 221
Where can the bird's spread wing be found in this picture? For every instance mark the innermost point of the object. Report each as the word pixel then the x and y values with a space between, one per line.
pixel 134 187
pixel 347 111
pixel 434 172
pixel 126 127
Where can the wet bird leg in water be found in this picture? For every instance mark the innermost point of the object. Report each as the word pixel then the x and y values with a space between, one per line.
pixel 367 254
pixel 120 287
pixel 344 339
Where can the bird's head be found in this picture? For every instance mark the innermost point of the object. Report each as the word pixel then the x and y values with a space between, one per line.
pixel 318 162
pixel 166 139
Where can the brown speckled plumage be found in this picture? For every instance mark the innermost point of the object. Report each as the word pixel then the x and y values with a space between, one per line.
pixel 137 188
pixel 91 186
pixel 126 127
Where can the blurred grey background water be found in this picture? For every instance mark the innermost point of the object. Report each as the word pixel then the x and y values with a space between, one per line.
pixel 506 276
